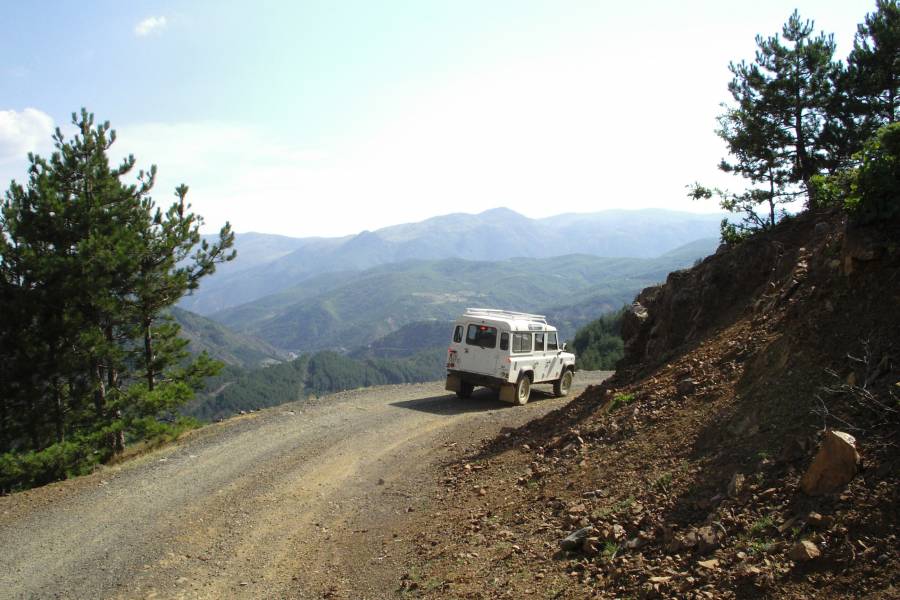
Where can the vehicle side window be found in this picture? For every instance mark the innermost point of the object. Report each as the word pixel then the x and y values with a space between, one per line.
pixel 504 341
pixel 457 334
pixel 539 342
pixel 482 335
pixel 551 341
pixel 521 342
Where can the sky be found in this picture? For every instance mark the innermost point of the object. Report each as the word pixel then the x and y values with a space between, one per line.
pixel 328 118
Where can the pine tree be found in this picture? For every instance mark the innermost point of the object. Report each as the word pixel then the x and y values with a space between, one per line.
pixel 873 72
pixel 88 267
pixel 793 86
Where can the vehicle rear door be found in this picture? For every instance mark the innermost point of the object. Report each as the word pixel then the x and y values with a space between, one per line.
pixel 480 349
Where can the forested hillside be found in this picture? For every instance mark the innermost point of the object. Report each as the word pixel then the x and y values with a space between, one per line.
pixel 356 309
pixel 235 391
pixel 221 343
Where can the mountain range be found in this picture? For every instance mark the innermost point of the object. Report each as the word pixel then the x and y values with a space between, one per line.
pixel 344 311
pixel 268 264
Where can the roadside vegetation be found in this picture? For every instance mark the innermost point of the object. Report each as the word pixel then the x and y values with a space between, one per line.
pixel 805 127
pixel 598 345
pixel 90 359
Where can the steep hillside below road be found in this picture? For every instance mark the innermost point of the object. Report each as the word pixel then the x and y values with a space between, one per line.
pixel 305 500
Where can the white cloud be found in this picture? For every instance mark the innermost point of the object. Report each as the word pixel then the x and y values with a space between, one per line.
pixel 149 25
pixel 23 132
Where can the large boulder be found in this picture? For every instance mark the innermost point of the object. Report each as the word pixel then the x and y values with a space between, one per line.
pixel 834 466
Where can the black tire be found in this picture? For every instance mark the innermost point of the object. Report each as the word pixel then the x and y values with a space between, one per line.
pixel 523 389
pixel 562 385
pixel 465 390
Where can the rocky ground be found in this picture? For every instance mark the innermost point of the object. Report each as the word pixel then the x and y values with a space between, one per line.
pixel 321 498
pixel 682 475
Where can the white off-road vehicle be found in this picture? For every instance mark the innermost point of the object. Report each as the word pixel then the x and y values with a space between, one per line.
pixel 507 351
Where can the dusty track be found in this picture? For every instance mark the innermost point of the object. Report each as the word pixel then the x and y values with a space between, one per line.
pixel 312 499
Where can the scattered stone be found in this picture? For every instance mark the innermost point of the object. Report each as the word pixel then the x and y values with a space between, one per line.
pixel 710 564
pixel 817 521
pixel 591 546
pixel 686 387
pixel 834 466
pixel 380 481
pixel 578 509
pixel 736 485
pixel 704 539
pixel 635 543
pixel 803 551
pixel 618 532
pixel 574 540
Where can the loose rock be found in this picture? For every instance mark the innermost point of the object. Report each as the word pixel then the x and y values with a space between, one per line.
pixel 834 466
pixel 803 551
pixel 574 540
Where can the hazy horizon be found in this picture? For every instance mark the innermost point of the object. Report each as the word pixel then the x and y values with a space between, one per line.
pixel 715 213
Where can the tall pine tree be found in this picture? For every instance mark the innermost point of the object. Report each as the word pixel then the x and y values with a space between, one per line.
pixel 88 267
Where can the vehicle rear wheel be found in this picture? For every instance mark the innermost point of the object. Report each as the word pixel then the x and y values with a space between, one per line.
pixel 523 389
pixel 465 390
pixel 562 385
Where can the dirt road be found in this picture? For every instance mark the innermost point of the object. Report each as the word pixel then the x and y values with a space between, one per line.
pixel 314 499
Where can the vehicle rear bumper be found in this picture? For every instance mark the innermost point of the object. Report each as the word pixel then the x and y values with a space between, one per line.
pixel 455 378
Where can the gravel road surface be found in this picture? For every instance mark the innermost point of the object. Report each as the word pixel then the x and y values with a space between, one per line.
pixel 313 499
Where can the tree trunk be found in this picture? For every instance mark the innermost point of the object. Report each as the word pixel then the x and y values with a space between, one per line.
pixel 771 199
pixel 148 354
pixel 117 438
pixel 59 412
pixel 99 391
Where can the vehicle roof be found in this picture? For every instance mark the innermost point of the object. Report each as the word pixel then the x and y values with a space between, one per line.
pixel 516 321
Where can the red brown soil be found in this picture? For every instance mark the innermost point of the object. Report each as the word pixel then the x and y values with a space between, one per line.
pixel 790 332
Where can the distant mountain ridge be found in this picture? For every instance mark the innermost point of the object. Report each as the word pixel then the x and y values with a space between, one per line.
pixel 268 264
pixel 344 311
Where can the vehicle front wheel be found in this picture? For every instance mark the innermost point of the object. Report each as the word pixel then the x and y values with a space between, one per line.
pixel 465 390
pixel 562 385
pixel 523 389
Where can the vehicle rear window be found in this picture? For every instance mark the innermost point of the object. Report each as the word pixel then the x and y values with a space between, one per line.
pixel 551 341
pixel 457 334
pixel 504 341
pixel 521 342
pixel 539 342
pixel 482 335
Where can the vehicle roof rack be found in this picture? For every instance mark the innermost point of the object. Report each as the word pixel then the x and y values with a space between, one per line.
pixel 507 314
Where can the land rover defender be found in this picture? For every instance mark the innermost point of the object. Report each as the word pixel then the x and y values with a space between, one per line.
pixel 507 351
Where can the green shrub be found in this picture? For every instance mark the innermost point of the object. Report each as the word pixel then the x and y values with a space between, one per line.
pixel 54 463
pixel 621 399
pixel 871 191
pixel 877 194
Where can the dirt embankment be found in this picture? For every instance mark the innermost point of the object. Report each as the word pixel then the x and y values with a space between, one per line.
pixel 681 474
pixel 320 498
